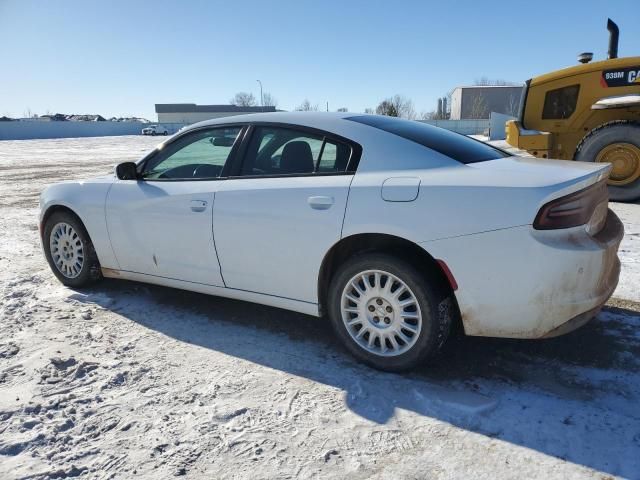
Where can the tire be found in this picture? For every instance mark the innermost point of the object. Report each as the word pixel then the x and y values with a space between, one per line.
pixel 63 230
pixel 165 133
pixel 432 304
pixel 609 134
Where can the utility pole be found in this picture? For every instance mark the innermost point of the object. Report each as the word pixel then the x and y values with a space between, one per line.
pixel 261 96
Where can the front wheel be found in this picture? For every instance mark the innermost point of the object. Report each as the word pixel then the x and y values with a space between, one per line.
pixel 69 250
pixel 388 314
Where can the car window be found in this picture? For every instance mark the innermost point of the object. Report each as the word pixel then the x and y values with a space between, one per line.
pixel 334 158
pixel 201 154
pixel 454 145
pixel 560 103
pixel 286 151
pixel 265 140
pixel 315 145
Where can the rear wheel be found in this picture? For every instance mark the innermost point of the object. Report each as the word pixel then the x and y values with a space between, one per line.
pixel 388 314
pixel 69 250
pixel 617 143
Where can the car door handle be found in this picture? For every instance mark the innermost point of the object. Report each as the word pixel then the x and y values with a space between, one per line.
pixel 198 205
pixel 320 202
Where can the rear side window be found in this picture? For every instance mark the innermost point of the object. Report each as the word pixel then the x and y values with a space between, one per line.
pixel 454 145
pixel 275 151
pixel 560 103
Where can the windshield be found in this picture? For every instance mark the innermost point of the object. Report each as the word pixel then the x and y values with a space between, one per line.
pixel 454 145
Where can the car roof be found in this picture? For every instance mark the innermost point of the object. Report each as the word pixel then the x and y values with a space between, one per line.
pixel 308 119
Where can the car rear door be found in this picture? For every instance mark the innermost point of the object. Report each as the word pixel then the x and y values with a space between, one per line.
pixel 161 224
pixel 275 220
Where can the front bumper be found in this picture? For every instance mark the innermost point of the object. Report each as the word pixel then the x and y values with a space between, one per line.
pixel 537 143
pixel 526 283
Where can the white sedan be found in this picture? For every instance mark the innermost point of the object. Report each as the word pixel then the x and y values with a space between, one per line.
pixel 155 130
pixel 397 230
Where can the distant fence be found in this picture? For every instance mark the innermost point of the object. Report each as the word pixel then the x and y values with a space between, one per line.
pixel 466 127
pixel 25 130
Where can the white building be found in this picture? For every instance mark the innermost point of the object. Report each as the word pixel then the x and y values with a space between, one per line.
pixel 479 101
pixel 191 113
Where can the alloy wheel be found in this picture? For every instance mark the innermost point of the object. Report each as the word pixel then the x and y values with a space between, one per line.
pixel 66 250
pixel 381 313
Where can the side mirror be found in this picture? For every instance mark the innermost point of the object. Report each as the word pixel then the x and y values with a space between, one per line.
pixel 127 171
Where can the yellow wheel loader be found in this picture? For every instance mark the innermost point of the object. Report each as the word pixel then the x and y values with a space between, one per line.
pixel 589 112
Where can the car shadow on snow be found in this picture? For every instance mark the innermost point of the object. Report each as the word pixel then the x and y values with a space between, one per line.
pixel 569 397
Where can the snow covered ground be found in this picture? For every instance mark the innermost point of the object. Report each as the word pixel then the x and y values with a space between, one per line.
pixel 126 379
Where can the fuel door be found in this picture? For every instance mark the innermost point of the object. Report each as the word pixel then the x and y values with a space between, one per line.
pixel 400 189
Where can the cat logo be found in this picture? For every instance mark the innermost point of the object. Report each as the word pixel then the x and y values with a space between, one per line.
pixel 622 77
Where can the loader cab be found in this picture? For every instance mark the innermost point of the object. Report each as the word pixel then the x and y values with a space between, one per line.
pixel 560 108
pixel 587 112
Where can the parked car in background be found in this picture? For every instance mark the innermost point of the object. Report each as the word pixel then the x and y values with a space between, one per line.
pixel 395 229
pixel 155 130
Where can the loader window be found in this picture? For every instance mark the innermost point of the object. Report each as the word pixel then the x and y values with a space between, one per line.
pixel 560 103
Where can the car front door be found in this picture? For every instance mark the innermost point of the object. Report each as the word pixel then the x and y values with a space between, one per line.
pixel 161 224
pixel 281 211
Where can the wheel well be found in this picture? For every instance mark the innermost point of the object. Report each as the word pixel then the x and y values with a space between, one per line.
pixel 376 242
pixel 53 209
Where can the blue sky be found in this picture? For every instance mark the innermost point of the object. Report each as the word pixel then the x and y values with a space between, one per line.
pixel 121 57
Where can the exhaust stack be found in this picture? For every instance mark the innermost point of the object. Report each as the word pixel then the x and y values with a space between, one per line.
pixel 614 33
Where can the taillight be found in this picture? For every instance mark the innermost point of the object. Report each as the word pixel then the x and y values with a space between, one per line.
pixel 584 207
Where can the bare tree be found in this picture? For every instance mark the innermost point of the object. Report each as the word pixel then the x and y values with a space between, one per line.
pixel 269 100
pixel 343 109
pixel 386 107
pixel 432 115
pixel 397 106
pixel 479 107
pixel 307 107
pixel 513 105
pixel 369 110
pixel 243 99
pixel 484 81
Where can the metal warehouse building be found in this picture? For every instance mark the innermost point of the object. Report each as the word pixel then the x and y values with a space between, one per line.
pixel 191 113
pixel 479 101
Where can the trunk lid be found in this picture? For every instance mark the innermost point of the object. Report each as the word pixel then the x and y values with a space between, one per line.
pixel 560 177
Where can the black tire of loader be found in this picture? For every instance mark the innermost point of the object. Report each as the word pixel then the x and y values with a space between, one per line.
pixel 619 131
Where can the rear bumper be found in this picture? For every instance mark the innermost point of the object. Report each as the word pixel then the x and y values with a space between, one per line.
pixel 526 283
pixel 573 324
pixel 609 239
